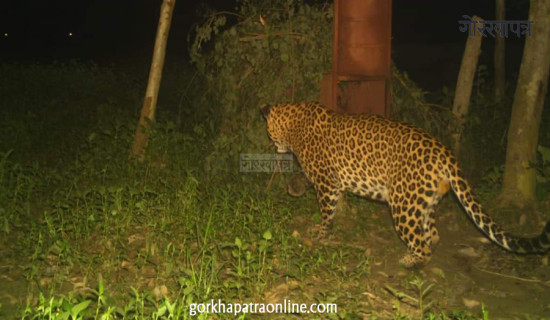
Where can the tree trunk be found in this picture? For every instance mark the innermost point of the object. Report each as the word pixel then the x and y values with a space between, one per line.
pixel 499 55
pixel 155 75
pixel 519 180
pixel 464 83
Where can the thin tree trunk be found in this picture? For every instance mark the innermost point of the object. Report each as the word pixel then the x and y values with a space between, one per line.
pixel 464 83
pixel 155 75
pixel 499 54
pixel 519 179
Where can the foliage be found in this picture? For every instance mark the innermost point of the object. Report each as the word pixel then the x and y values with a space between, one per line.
pixel 493 176
pixel 408 104
pixel 542 165
pixel 37 98
pixel 484 136
pixel 418 285
pixel 89 214
pixel 486 127
pixel 265 52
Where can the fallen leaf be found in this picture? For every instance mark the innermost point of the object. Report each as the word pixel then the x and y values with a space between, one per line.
pixel 370 295
pixel 160 291
pixel 293 284
pixel 125 264
pixel 470 304
pixel 382 273
pixel 469 252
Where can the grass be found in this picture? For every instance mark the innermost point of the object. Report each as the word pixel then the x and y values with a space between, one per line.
pixel 86 234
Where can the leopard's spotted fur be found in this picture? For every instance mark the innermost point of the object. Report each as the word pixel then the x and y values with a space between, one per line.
pixel 385 160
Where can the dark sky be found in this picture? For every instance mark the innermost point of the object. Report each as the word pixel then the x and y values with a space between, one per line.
pixel 131 23
pixel 99 27
pixel 114 29
pixel 435 20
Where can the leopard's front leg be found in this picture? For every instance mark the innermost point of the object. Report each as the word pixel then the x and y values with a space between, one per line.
pixel 328 197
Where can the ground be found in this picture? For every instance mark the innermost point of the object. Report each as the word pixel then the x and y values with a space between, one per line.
pixel 356 267
pixel 467 271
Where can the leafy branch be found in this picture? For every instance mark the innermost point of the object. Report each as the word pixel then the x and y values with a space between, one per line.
pixel 267 51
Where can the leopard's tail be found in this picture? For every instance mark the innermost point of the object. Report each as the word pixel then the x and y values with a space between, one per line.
pixel 487 225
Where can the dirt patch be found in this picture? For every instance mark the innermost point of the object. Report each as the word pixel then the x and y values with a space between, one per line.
pixel 467 271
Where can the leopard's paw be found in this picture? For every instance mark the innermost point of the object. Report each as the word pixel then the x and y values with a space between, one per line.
pixel 318 232
pixel 410 261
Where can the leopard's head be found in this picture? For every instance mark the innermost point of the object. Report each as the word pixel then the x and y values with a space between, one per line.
pixel 278 126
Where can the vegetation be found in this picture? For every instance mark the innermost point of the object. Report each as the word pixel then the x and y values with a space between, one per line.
pixel 87 234
pixel 265 52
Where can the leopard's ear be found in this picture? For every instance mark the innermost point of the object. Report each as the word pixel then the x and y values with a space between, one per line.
pixel 265 110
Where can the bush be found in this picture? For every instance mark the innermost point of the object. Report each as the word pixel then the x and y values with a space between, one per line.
pixel 265 52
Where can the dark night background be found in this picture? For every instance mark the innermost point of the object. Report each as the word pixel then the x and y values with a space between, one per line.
pixel 426 40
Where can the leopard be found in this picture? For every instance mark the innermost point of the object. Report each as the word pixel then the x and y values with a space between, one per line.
pixel 385 160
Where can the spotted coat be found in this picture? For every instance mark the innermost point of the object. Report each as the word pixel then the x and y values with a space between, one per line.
pixel 388 161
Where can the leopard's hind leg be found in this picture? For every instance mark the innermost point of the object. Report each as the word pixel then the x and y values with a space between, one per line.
pixel 410 224
pixel 414 220
pixel 440 189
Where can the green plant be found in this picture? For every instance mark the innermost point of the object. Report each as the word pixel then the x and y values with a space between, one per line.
pixel 264 52
pixel 484 313
pixel 421 290
pixel 409 104
pixel 264 267
pixel 62 308
pixel 493 177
